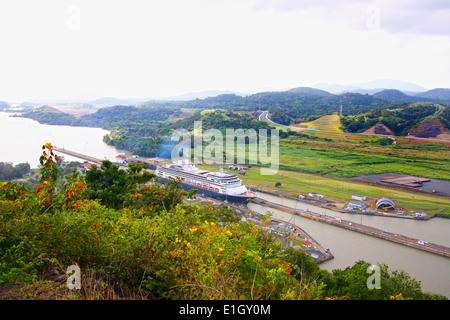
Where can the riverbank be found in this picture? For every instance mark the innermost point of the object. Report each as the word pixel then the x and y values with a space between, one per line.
pixel 364 229
pixel 288 233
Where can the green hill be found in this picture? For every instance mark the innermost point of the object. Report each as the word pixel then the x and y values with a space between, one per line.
pixel 50 115
pixel 438 93
pixel 221 120
pixel 400 121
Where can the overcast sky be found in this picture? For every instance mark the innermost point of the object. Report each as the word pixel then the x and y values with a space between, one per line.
pixel 60 49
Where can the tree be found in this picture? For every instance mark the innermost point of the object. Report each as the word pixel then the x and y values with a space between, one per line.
pixel 352 282
pixel 108 184
pixel 113 186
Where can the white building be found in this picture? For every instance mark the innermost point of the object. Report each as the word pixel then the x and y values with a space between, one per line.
pixel 356 205
pixel 121 159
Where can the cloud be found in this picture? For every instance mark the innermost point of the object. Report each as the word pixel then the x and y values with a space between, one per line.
pixel 397 16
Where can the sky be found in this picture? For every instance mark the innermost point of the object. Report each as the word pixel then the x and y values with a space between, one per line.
pixel 77 49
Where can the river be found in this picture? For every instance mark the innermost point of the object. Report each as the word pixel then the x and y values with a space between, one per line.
pixel 348 247
pixel 21 140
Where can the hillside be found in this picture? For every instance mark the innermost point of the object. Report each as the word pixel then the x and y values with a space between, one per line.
pixel 292 106
pixel 310 91
pixel 430 128
pixel 379 129
pixel 50 115
pixel 397 95
pixel 221 120
pixel 329 123
pixel 438 93
pixel 399 121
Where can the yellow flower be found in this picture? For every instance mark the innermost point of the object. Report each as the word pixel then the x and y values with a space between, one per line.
pixel 188 244
pixel 193 229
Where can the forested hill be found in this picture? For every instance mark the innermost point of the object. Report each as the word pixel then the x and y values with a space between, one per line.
pixel 120 116
pixel 220 119
pixel 106 118
pixel 400 121
pixel 290 106
pixel 286 107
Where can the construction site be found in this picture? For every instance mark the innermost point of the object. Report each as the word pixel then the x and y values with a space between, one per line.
pixel 433 186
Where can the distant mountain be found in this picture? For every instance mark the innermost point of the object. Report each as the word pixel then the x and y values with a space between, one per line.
pixel 200 95
pixel 110 101
pixel 334 88
pixel 28 104
pixel 310 91
pixel 438 93
pixel 4 105
pixel 390 84
pixel 397 95
pixel 371 87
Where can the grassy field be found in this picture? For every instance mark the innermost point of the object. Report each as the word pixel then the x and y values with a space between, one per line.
pixel 324 166
pixel 341 190
pixel 330 122
pixel 346 160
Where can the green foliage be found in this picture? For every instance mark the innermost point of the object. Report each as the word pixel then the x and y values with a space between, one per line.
pixel 112 186
pixel 400 121
pixel 383 141
pixel 135 129
pixel 20 262
pixel 221 120
pixel 9 172
pixel 352 282
pixel 160 247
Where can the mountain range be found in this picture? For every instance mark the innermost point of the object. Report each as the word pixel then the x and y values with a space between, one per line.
pixel 390 90
pixel 372 87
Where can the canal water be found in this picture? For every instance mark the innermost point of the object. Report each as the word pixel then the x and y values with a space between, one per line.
pixel 349 247
pixel 21 140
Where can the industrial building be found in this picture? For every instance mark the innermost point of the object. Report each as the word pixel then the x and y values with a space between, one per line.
pixel 385 204
pixel 352 205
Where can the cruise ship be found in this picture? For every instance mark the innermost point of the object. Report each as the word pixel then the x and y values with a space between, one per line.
pixel 220 185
